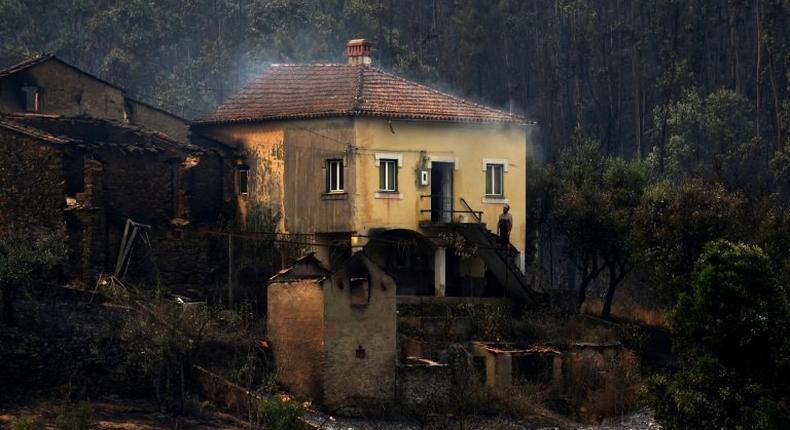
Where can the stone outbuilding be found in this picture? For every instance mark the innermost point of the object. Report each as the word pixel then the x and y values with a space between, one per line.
pixel 333 333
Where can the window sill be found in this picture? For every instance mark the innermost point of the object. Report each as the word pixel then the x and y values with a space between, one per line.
pixel 335 195
pixel 496 200
pixel 388 195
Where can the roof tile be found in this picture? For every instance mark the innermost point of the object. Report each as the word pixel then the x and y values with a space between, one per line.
pixel 298 91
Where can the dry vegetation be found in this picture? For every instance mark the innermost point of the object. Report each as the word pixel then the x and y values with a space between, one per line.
pixel 630 312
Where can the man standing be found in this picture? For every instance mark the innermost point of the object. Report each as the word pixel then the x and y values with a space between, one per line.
pixel 504 226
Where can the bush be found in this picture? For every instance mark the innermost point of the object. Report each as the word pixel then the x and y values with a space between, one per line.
pixel 731 332
pixel 74 417
pixel 599 385
pixel 279 413
pixel 24 423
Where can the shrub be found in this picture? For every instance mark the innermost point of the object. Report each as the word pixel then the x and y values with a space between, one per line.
pixel 74 417
pixel 279 413
pixel 731 331
pixel 24 423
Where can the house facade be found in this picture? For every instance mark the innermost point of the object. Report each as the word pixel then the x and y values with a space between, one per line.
pixel 358 158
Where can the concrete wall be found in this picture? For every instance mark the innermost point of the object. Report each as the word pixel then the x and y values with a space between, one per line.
pixel 465 144
pixel 309 207
pixel 295 327
pixel 31 185
pixel 64 91
pixel 262 146
pixel 372 326
pixel 303 146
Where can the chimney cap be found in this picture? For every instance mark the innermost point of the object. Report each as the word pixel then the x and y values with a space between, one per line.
pixel 358 42
pixel 358 52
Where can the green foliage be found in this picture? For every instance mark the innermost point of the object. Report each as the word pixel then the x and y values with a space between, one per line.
pixel 731 332
pixel 594 208
pixel 279 413
pixel 74 417
pixel 712 137
pixel 23 260
pixel 674 222
pixel 24 423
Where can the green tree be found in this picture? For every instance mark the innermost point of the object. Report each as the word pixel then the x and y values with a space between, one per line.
pixel 594 208
pixel 731 331
pixel 24 261
pixel 674 222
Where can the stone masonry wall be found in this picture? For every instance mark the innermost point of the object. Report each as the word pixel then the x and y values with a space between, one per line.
pixel 31 191
pixel 64 91
pixel 351 377
pixel 295 326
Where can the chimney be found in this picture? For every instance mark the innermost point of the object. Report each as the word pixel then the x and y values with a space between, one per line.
pixel 358 51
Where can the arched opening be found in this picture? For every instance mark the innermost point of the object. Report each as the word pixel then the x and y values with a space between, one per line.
pixel 407 256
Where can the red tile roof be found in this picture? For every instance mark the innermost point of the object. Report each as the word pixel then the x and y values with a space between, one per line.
pixel 301 91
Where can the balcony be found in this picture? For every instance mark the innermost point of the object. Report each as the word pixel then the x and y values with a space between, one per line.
pixel 437 211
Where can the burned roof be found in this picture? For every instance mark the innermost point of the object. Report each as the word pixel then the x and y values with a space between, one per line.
pixel 32 132
pixel 304 91
pixel 43 58
pixel 93 132
pixel 305 267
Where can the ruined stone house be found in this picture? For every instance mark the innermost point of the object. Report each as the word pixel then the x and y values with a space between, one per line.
pixel 355 158
pixel 79 158
pixel 333 332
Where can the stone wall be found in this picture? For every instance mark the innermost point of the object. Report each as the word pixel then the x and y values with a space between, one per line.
pixel 361 348
pixel 31 190
pixel 64 91
pixel 295 327
pixel 156 119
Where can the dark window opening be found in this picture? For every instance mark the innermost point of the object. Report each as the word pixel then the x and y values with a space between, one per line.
pixel 174 188
pixel 74 172
pixel 242 180
pixel 360 291
pixel 32 98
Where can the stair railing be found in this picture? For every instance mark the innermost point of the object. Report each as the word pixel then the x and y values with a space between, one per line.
pixel 477 214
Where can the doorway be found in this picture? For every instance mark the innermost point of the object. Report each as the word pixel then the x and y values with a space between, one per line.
pixel 442 192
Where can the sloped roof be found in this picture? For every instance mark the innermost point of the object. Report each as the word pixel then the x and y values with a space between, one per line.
pixel 92 131
pixel 32 132
pixel 303 91
pixel 43 58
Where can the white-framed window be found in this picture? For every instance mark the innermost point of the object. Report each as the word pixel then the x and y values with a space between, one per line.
pixel 495 180
pixel 388 175
pixel 334 175
pixel 242 179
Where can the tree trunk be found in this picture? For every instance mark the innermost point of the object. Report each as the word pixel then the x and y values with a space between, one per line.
pixel 590 271
pixel 615 278
pixel 606 312
pixel 9 318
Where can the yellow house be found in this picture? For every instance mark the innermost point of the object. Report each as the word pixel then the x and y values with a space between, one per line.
pixel 352 156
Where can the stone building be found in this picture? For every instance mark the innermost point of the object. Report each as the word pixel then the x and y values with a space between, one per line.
pixel 333 333
pixel 78 158
pixel 48 85
pixel 358 158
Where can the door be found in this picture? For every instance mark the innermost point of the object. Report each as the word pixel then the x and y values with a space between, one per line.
pixel 442 192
